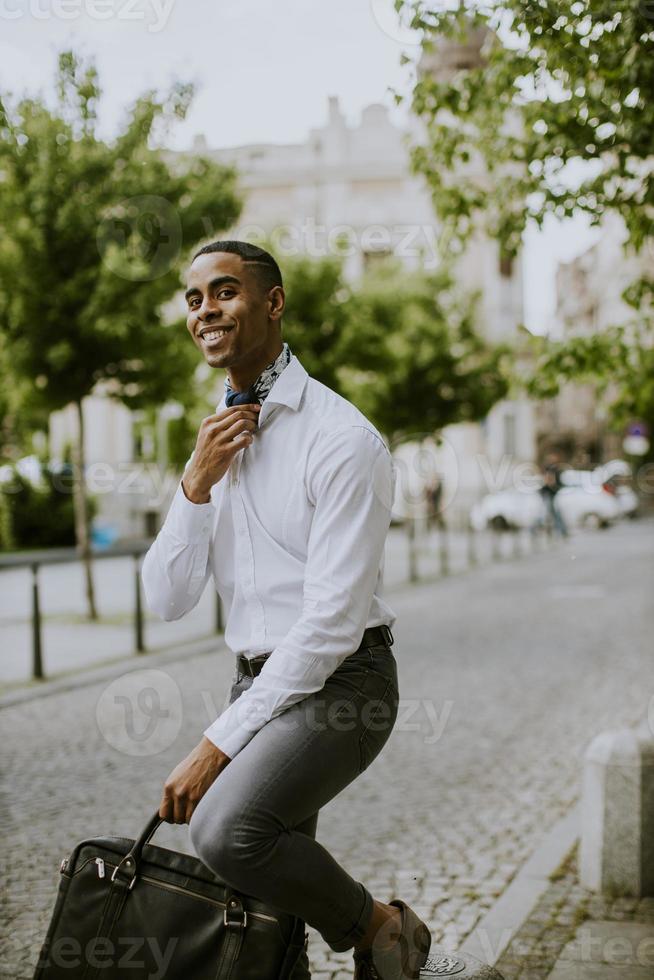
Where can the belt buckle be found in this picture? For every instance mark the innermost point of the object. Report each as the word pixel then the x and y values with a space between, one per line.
pixel 260 658
pixel 387 633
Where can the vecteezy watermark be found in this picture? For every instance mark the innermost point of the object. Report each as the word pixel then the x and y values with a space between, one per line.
pixel 618 950
pixel 140 712
pixel 154 13
pixel 318 713
pixel 140 239
pixel 318 240
pixel 142 953
pixel 145 480
pixel 418 463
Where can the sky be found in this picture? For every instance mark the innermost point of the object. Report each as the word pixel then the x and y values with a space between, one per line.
pixel 263 73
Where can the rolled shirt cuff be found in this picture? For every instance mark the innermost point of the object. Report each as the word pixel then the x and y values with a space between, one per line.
pixel 186 520
pixel 234 728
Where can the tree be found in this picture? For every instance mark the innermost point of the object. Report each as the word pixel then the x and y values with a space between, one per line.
pixel 559 86
pixel 414 361
pixel 97 233
pixel 556 118
pixel 315 320
pixel 619 363
pixel 400 345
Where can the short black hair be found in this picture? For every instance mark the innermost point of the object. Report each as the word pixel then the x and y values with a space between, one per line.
pixel 267 272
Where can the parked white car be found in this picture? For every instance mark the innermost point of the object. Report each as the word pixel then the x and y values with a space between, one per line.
pixel 614 477
pixel 596 507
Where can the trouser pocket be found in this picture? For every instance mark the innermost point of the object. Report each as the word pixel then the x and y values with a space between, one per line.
pixel 378 717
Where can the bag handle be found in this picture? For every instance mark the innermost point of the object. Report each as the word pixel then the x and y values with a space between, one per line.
pixel 129 864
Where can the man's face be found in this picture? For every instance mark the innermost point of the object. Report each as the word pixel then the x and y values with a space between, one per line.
pixel 228 311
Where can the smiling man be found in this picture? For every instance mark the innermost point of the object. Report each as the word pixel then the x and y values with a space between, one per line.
pixel 285 505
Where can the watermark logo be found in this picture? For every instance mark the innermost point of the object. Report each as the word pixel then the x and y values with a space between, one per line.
pixel 153 13
pixel 140 239
pixel 396 24
pixel 140 712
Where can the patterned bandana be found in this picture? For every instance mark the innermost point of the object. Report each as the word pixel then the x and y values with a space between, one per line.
pixel 261 387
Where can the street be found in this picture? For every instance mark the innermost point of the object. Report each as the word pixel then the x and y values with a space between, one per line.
pixel 506 672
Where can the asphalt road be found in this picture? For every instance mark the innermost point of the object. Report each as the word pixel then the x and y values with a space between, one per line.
pixel 506 673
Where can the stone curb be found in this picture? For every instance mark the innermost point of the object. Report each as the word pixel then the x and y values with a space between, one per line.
pixel 492 935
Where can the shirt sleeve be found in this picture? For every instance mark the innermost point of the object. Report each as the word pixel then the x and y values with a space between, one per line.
pixel 350 482
pixel 176 566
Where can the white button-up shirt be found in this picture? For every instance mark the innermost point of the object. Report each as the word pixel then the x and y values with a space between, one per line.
pixel 294 538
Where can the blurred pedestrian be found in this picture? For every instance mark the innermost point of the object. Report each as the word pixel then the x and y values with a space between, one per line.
pixel 549 491
pixel 433 498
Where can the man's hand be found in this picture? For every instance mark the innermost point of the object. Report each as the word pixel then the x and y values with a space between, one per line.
pixel 219 439
pixel 190 780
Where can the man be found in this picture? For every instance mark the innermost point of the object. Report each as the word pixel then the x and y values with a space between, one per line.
pixel 552 483
pixel 286 503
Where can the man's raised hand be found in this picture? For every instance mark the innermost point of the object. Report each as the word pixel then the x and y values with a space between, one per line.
pixel 220 437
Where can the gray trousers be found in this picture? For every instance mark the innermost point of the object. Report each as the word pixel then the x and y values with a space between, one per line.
pixel 255 826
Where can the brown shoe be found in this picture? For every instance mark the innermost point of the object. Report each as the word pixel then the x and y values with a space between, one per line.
pixel 404 959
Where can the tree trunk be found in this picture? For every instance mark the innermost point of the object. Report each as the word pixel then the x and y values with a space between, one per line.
pixel 80 502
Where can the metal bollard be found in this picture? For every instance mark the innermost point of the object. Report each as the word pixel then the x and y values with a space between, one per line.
pixel 443 552
pixel 413 557
pixel 517 551
pixel 138 607
pixel 37 650
pixel 472 554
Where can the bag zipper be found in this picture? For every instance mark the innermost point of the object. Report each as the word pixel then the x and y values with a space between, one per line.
pixel 184 891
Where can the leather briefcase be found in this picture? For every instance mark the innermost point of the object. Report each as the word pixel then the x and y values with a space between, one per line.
pixel 129 909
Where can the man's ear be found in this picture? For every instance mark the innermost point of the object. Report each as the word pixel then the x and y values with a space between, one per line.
pixel 276 302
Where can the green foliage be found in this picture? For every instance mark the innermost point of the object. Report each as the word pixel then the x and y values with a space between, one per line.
pixel 7 540
pixel 414 362
pixel 400 345
pixel 556 119
pixel 619 362
pixel 38 516
pixel 318 305
pixel 559 82
pixel 204 395
pixel 98 233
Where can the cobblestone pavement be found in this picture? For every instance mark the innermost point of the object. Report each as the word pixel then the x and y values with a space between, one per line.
pixel 506 673
pixel 569 927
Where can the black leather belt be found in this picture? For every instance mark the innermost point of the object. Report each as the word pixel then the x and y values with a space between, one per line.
pixel 373 636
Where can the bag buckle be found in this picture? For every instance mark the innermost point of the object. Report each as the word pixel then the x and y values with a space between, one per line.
pixel 242 921
pixel 115 872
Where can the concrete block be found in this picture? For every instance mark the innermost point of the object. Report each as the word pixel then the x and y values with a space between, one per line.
pixel 617 814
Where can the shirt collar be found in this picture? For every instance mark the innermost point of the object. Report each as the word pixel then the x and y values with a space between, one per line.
pixel 286 390
pixel 289 386
pixel 264 383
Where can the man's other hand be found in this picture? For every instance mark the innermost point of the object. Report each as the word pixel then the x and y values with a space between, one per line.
pixel 190 780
